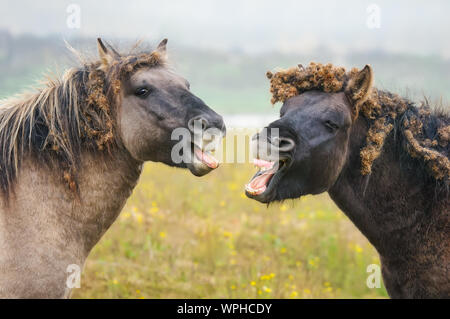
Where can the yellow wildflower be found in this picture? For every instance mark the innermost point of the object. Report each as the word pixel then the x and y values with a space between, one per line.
pixel 139 218
pixel 328 289
pixel 268 290
pixel 314 262
pixel 227 234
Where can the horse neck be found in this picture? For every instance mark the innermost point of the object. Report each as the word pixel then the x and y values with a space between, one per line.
pixel 392 205
pixel 104 185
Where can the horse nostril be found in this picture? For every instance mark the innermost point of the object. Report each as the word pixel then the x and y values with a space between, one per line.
pixel 198 123
pixel 285 144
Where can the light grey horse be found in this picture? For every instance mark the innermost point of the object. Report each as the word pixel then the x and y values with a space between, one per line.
pixel 71 155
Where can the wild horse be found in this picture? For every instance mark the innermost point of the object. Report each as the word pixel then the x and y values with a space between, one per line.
pixel 72 153
pixel 383 161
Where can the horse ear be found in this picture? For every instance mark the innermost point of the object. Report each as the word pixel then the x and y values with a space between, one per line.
pixel 162 47
pixel 112 50
pixel 359 87
pixel 105 55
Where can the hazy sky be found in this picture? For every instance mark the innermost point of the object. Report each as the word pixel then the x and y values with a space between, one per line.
pixel 419 27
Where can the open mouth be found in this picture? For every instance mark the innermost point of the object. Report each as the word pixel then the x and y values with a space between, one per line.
pixel 205 157
pixel 201 161
pixel 266 177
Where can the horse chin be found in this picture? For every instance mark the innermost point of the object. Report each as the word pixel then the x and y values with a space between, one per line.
pixel 199 169
pixel 274 197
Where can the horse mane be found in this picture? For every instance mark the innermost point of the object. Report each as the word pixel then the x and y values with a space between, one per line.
pixel 67 115
pixel 426 132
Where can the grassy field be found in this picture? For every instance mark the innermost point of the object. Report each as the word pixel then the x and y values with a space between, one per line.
pixel 185 237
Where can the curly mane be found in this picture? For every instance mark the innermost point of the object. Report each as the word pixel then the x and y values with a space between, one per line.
pixel 426 133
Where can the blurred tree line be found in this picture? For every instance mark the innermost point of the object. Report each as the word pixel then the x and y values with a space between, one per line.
pixel 231 82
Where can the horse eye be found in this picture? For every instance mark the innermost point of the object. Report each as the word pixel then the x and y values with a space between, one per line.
pixel 142 92
pixel 331 126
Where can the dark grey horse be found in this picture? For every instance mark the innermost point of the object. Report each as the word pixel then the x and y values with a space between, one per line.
pixel 383 161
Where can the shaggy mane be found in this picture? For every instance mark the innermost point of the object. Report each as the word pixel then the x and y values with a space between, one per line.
pixel 67 115
pixel 426 133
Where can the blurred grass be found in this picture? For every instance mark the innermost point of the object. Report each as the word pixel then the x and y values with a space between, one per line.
pixel 185 237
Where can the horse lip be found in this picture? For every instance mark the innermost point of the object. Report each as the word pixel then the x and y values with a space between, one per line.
pixel 196 171
pixel 282 157
pixel 287 157
pixel 288 160
pixel 199 169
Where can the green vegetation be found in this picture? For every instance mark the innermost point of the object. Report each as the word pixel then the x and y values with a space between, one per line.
pixel 180 236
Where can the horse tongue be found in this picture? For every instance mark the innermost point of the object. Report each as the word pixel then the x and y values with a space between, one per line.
pixel 206 158
pixel 260 181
